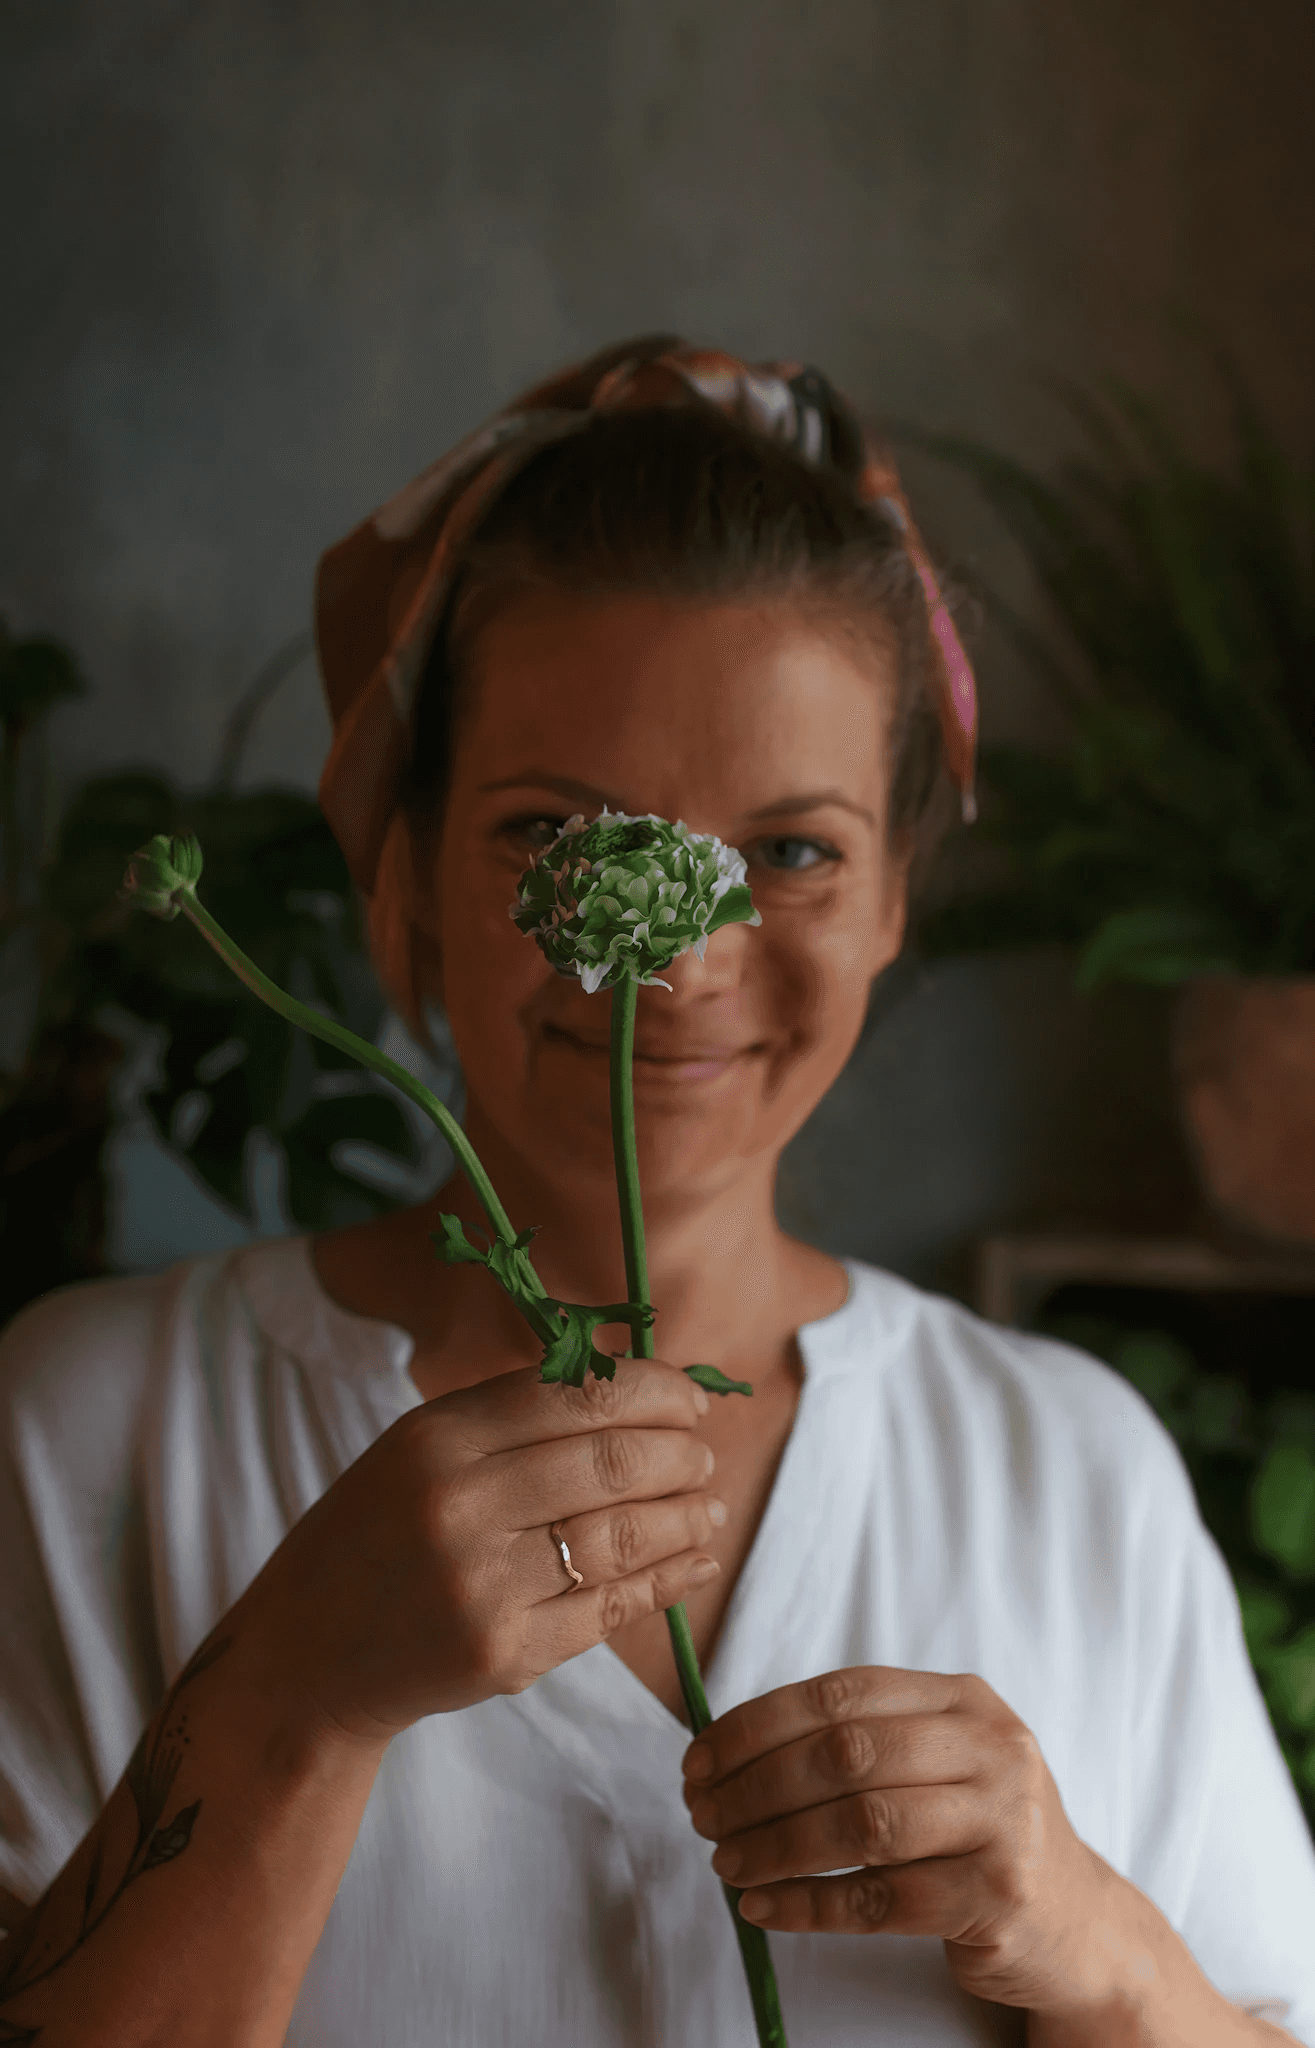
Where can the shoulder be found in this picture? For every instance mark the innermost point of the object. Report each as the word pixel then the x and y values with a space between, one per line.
pixel 1044 1409
pixel 81 1366
pixel 78 1338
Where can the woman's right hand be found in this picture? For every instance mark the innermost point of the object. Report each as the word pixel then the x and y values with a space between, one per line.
pixel 426 1579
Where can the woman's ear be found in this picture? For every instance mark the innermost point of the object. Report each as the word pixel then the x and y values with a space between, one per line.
pixel 405 946
pixel 427 968
pixel 893 914
pixel 425 918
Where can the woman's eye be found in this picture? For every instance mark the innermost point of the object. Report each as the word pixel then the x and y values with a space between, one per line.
pixel 794 855
pixel 535 832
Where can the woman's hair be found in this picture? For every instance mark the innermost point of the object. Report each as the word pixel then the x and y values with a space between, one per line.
pixel 684 503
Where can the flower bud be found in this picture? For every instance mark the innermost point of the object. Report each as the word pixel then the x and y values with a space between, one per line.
pixel 626 896
pixel 159 871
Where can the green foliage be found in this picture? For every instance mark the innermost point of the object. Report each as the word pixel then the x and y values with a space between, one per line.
pixel 714 1381
pixel 35 675
pixel 1174 833
pixel 564 1328
pixel 229 1067
pixel 1253 1468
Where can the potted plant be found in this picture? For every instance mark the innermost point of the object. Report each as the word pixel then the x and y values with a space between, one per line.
pixel 1252 1463
pixel 229 1075
pixel 1171 837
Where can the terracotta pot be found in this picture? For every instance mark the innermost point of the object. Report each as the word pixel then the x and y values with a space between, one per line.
pixel 1244 1068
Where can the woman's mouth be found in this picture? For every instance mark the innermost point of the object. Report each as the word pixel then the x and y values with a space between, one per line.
pixel 683 1065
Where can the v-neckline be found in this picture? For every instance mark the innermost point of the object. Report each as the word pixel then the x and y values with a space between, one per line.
pixel 820 1342
pixel 329 1333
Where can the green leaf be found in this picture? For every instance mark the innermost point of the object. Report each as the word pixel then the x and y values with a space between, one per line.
pixel 1290 1679
pixel 453 1246
pixel 734 907
pixel 564 1328
pixel 1156 946
pixel 1158 1365
pixel 1219 1416
pixel 570 1354
pixel 1266 1615
pixel 714 1381
pixel 1283 1509
pixel 35 675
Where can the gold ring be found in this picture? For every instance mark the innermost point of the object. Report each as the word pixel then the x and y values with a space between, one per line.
pixel 556 1533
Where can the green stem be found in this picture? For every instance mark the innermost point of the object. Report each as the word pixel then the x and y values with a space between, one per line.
pixel 301 1014
pixel 753 1941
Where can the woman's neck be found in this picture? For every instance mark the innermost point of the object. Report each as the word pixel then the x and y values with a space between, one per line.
pixel 729 1284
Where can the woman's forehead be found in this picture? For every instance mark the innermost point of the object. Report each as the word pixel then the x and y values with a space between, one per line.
pixel 700 689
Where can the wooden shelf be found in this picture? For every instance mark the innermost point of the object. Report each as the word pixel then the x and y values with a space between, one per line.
pixel 1015 1272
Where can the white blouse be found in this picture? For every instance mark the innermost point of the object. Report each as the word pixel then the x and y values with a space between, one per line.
pixel 953 1497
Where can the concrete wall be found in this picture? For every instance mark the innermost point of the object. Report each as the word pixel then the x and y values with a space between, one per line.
pixel 263 261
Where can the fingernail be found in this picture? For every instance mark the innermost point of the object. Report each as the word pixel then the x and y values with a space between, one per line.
pixel 706 1568
pixel 757 1908
pixel 701 1401
pixel 698 1763
pixel 710 1466
pixel 726 1862
pixel 717 1513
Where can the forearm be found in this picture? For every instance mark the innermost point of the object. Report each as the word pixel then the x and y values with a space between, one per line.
pixel 190 1911
pixel 1156 1996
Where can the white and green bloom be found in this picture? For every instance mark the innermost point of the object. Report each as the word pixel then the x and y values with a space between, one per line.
pixel 621 898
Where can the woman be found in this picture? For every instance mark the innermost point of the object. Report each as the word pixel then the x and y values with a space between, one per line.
pixel 989 1759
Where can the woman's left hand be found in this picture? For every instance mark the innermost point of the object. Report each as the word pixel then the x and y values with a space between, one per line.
pixel 942 1796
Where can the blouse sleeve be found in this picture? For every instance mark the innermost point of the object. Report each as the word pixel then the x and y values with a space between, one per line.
pixel 78 1666
pixel 1218 1836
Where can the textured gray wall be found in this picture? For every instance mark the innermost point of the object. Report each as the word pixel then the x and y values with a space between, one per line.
pixel 263 261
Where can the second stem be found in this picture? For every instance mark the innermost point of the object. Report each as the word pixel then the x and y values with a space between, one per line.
pixel 753 1942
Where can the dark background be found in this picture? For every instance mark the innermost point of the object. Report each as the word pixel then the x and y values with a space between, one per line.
pixel 265 261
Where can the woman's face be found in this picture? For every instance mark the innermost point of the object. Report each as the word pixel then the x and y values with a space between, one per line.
pixel 743 721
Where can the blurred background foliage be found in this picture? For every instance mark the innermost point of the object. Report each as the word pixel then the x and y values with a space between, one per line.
pixel 1252 1463
pixel 1173 833
pixel 229 1074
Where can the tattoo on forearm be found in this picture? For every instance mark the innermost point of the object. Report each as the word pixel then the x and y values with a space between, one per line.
pixel 150 1775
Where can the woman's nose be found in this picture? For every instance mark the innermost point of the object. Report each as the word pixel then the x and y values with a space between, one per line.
pixel 721 967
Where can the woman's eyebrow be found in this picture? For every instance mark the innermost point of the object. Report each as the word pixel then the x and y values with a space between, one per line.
pixel 584 792
pixel 814 800
pixel 561 785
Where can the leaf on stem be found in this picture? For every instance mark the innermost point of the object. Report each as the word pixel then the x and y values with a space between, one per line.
pixel 564 1328
pixel 571 1352
pixel 715 1381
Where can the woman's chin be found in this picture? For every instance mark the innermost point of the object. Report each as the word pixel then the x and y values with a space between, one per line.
pixel 679 1144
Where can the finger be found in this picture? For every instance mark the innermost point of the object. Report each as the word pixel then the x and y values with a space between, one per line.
pixel 873 1829
pixel 614 1542
pixel 552 1482
pixel 853 1757
pixel 941 1897
pixel 518 1408
pixel 560 1629
pixel 814 1705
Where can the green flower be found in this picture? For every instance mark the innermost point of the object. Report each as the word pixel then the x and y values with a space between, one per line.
pixel 624 897
pixel 159 871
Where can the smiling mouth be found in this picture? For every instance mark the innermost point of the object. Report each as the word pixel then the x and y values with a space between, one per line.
pixel 697 1061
